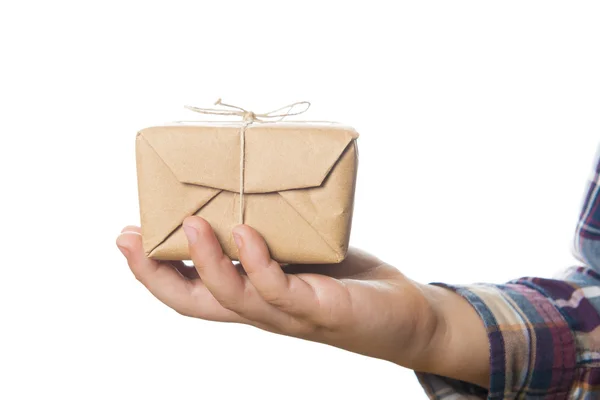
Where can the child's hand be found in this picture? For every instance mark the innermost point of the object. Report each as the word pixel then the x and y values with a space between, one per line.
pixel 362 304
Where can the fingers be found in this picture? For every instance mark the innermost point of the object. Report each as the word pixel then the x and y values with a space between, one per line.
pixel 232 290
pixel 214 268
pixel 266 298
pixel 166 284
pixel 287 292
pixel 163 282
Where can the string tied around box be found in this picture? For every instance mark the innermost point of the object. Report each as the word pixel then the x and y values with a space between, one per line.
pixel 248 118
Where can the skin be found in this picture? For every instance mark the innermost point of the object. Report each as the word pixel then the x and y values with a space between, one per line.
pixel 362 304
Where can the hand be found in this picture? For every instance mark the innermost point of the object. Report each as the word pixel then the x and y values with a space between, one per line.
pixel 361 304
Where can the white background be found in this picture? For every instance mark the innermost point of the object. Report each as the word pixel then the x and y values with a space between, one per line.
pixel 479 122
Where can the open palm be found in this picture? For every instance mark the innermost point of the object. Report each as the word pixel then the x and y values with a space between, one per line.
pixel 361 304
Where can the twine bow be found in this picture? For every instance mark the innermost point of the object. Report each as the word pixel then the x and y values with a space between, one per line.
pixel 231 110
pixel 248 118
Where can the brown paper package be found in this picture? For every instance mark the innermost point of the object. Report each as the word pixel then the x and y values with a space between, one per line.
pixel 299 182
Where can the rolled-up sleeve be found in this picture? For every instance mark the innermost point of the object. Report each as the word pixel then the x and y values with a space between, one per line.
pixel 544 334
pixel 533 348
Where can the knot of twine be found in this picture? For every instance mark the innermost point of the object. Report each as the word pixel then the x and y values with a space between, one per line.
pixel 248 118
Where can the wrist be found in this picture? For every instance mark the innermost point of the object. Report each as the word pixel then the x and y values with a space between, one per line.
pixel 430 327
pixel 420 327
pixel 459 346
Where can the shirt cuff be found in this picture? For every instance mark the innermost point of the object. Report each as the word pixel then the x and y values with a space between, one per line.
pixel 532 347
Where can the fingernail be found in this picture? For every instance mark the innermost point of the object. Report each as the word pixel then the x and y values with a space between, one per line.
pixel 238 240
pixel 124 251
pixel 122 248
pixel 191 233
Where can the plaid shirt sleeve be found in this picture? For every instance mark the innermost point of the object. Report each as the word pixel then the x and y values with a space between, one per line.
pixel 544 334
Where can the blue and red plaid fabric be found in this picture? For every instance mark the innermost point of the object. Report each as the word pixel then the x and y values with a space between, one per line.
pixel 544 334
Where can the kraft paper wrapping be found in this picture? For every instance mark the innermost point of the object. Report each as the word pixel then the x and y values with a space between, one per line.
pixel 299 182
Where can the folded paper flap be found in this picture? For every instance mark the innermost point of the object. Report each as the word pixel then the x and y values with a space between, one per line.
pixel 277 156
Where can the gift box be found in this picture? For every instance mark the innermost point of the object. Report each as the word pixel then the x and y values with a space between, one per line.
pixel 291 181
